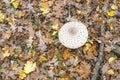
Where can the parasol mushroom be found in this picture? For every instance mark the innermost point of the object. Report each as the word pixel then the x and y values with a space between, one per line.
pixel 73 34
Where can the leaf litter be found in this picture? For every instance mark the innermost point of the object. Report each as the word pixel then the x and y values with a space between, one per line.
pixel 29 45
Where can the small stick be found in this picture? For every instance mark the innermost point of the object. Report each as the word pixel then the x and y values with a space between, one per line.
pixel 117 49
pixel 69 11
pixel 100 58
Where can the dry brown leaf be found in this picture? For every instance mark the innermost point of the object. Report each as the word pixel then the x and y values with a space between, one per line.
pixel 20 14
pixel 47 40
pixel 37 76
pixel 84 69
pixel 57 9
pixel 102 1
pixel 31 33
pixel 91 51
pixel 105 68
pixel 6 34
pixel 116 65
pixel 109 48
pixel 6 51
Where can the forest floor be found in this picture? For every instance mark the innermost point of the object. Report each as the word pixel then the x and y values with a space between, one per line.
pixel 30 48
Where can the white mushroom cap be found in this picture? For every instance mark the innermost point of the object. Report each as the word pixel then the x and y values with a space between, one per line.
pixel 73 34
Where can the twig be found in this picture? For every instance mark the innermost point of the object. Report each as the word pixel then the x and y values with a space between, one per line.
pixel 0 76
pixel 69 11
pixel 117 49
pixel 100 59
pixel 117 13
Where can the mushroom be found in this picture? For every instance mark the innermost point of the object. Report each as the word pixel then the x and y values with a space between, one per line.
pixel 73 34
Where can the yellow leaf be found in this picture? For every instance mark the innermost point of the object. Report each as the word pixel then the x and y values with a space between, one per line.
pixel 15 4
pixel 111 60
pixel 114 7
pixel 55 27
pixel 78 1
pixel 44 8
pixel 22 75
pixel 64 79
pixel 42 58
pixel 79 12
pixel 111 27
pixel 44 0
pixel 64 64
pixel 110 72
pixel 29 67
pixel 14 68
pixel 66 54
pixel 13 0
pixel 9 20
pixel 54 33
pixel 6 54
pixel 111 13
pixel 87 47
pixel 2 16
pixel 33 54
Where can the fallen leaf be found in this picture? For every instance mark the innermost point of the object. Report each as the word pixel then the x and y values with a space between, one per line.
pixel 105 68
pixel 87 47
pixel 44 0
pixel 42 58
pixel 54 33
pixel 44 8
pixel 111 27
pixel 84 70
pixel 31 33
pixel 22 75
pixel 37 75
pixel 110 72
pixel 50 73
pixel 6 51
pixel 14 68
pixel 30 7
pixel 10 20
pixel 7 2
pixel 116 65
pixel 114 7
pixel 64 79
pixel 6 34
pixel 78 1
pixel 41 44
pixel 29 67
pixel 66 54
pixel 103 1
pixel 109 48
pixel 110 13
pixel 15 4
pixel 55 27
pixel 6 54
pixel 2 16
pixel 90 50
pixel 20 14
pixel 111 60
